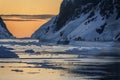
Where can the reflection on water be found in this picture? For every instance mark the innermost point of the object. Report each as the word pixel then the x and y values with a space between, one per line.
pixel 69 67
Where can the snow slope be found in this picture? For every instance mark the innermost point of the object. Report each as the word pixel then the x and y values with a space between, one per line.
pixel 83 20
pixel 4 33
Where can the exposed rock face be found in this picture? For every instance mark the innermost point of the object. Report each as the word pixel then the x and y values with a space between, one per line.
pixel 4 33
pixel 6 53
pixel 89 20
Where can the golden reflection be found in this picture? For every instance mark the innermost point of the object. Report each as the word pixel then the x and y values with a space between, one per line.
pixel 30 74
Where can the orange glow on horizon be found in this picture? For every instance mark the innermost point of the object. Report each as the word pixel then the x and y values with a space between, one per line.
pixel 28 7
pixel 21 29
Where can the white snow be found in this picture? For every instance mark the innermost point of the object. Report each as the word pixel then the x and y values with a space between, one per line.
pixel 82 27
pixel 4 34
pixel 78 45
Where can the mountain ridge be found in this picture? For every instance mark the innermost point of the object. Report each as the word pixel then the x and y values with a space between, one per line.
pixel 85 20
pixel 4 32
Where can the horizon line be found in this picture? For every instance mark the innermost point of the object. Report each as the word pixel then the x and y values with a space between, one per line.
pixel 44 16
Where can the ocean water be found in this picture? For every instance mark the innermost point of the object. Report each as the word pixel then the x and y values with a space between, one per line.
pixel 54 63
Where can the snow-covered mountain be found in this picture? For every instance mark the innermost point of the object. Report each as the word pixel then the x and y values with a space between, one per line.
pixel 4 33
pixel 89 20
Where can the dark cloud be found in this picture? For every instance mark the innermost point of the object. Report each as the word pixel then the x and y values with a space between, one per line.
pixel 46 16
pixel 17 20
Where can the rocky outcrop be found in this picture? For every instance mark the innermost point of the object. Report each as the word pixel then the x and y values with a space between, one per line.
pixel 4 33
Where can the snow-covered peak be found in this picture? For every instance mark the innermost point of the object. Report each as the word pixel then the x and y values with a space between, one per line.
pixel 4 33
pixel 91 20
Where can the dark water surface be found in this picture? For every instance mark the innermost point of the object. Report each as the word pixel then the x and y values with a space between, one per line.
pixel 66 68
pixel 60 62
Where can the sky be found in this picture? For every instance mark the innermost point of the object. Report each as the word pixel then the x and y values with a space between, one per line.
pixel 28 7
